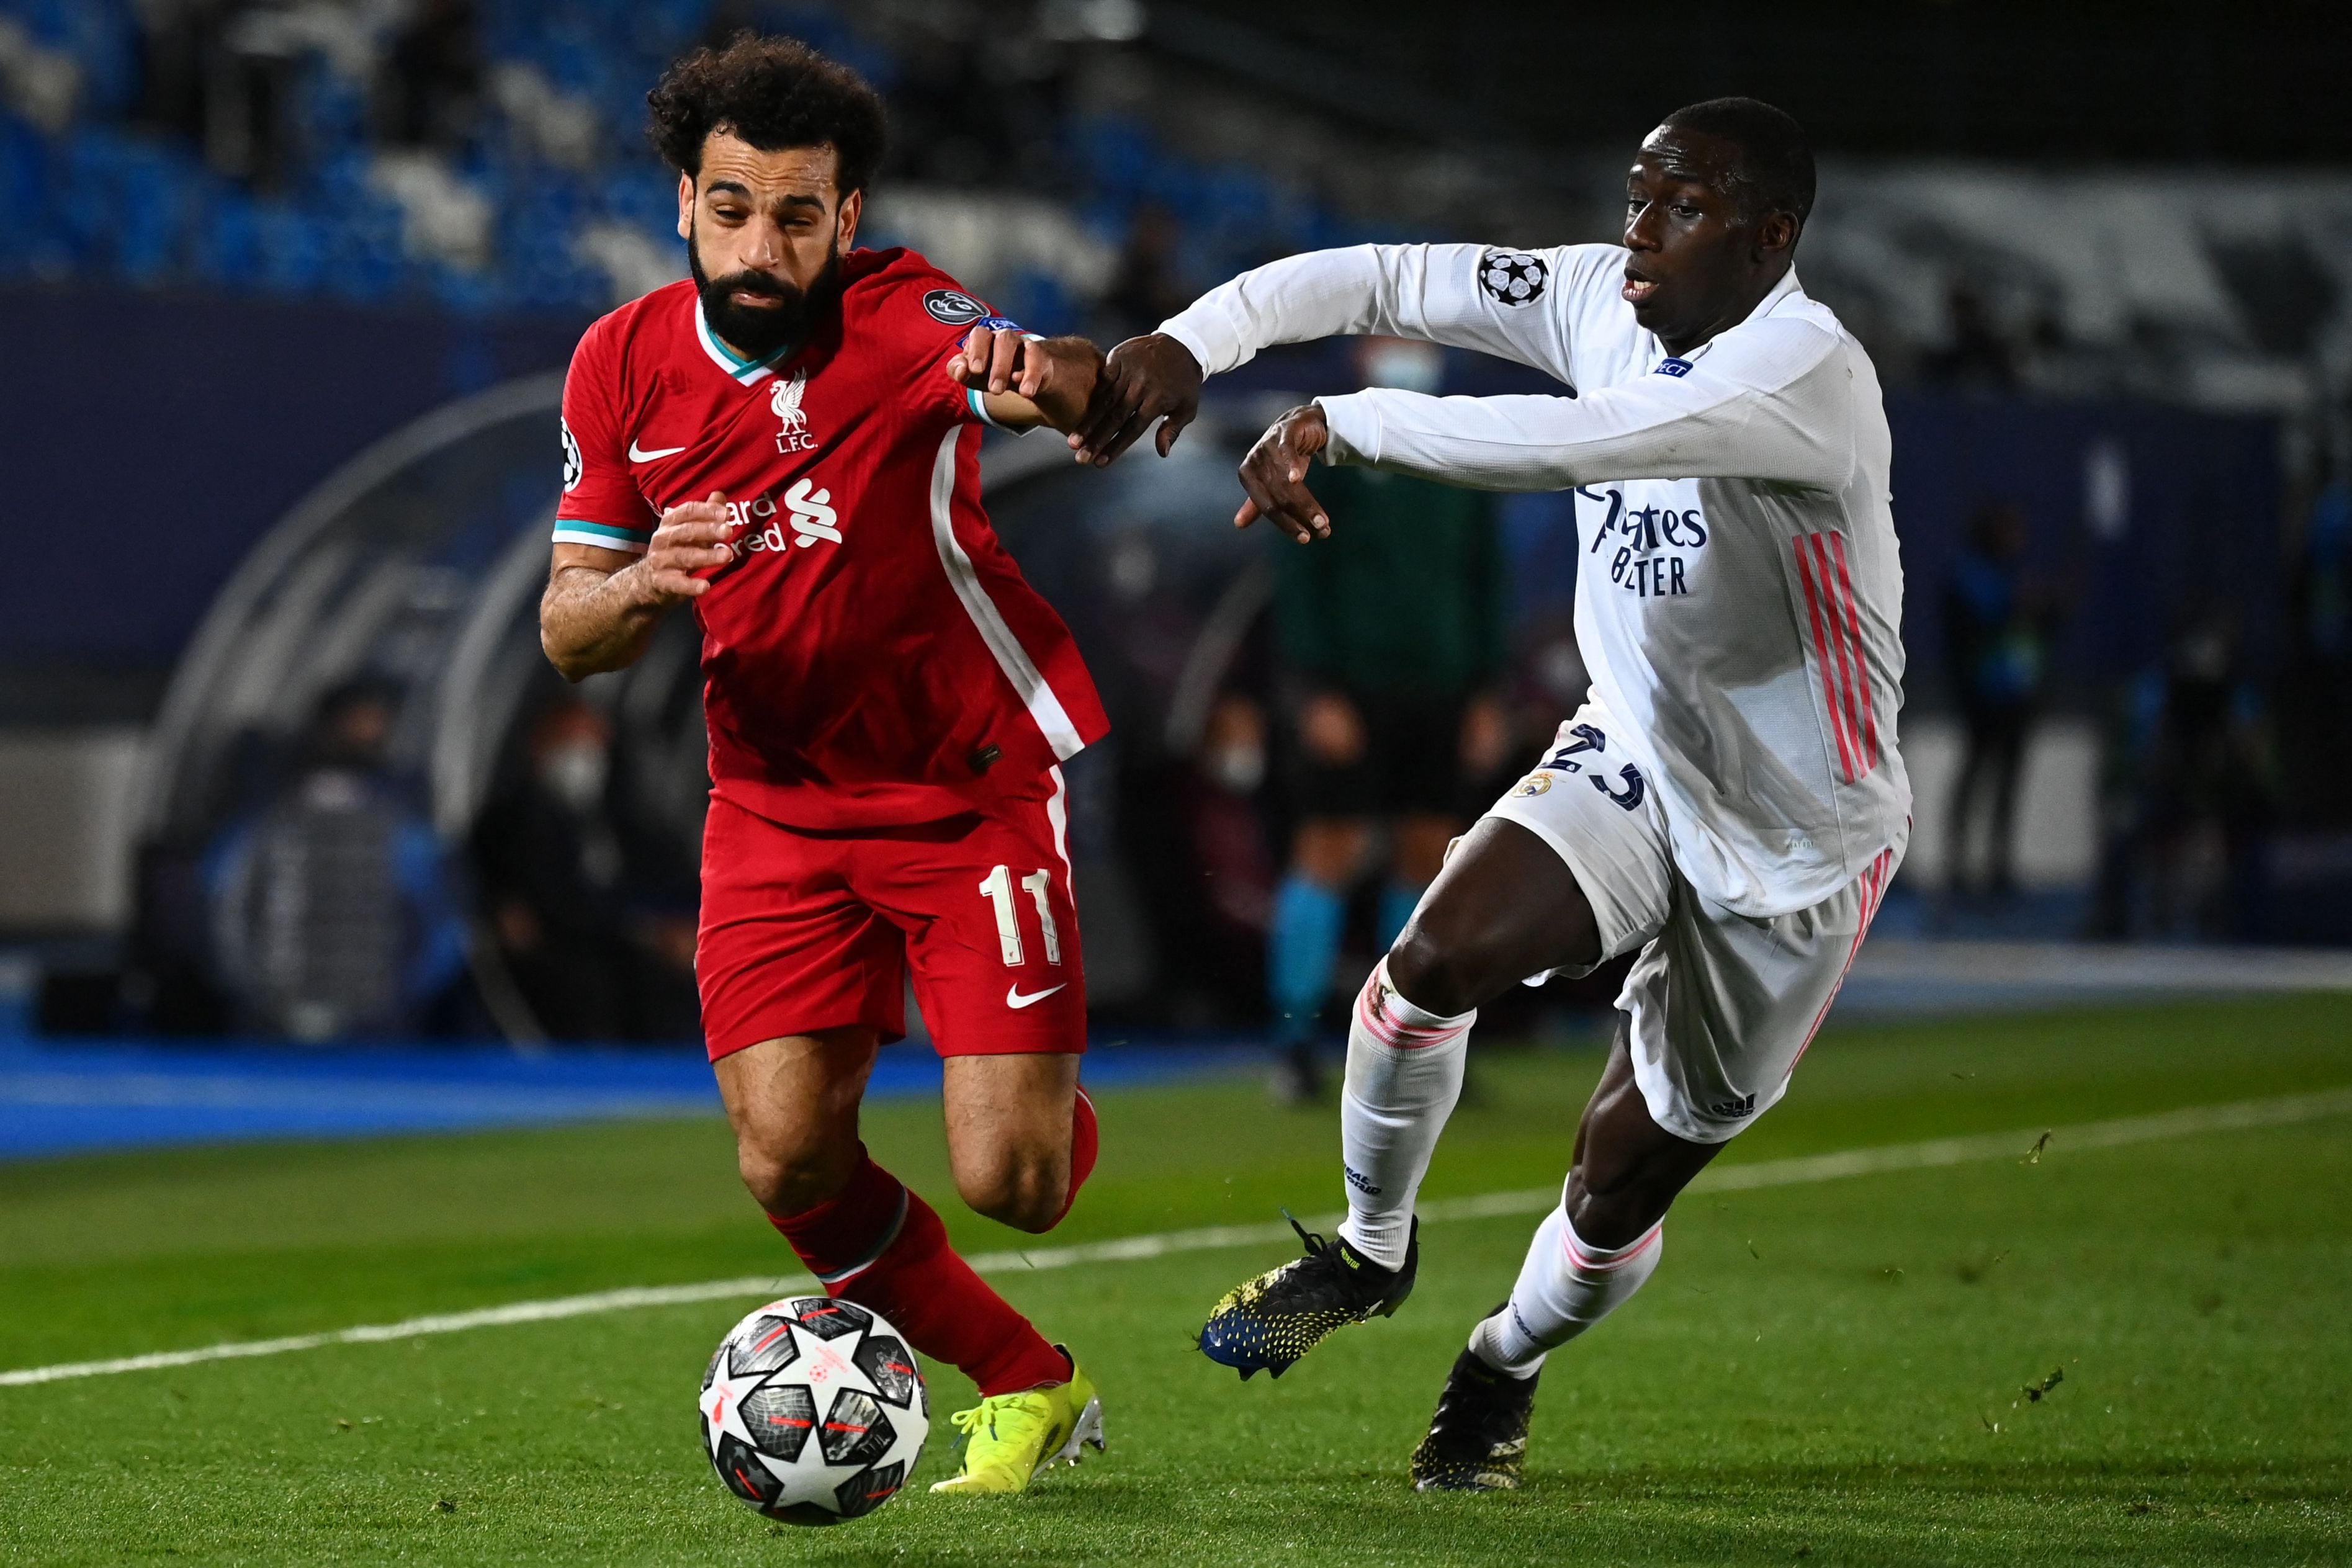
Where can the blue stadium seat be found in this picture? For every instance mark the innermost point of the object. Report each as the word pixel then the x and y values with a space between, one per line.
pixel 150 211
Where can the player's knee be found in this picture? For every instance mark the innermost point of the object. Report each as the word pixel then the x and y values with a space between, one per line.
pixel 1027 1194
pixel 1611 1207
pixel 1434 973
pixel 789 1176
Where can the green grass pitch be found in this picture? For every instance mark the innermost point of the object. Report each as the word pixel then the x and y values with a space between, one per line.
pixel 1829 1374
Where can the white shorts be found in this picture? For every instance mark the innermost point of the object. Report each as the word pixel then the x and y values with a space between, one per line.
pixel 1721 1006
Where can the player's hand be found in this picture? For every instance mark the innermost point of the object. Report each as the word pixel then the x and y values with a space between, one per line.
pixel 1057 375
pixel 689 539
pixel 1147 378
pixel 996 360
pixel 1274 475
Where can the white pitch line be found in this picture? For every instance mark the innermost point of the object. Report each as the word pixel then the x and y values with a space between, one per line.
pixel 2235 1116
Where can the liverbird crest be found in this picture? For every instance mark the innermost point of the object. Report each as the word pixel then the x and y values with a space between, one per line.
pixel 786 400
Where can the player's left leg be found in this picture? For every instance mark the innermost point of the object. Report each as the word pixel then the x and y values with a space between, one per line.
pixel 1588 1257
pixel 992 941
pixel 1718 1011
pixel 1022 1135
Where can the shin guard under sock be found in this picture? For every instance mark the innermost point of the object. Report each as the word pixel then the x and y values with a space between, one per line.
pixel 1565 1287
pixel 1404 1073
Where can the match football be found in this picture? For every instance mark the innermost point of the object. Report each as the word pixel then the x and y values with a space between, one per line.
pixel 1016 781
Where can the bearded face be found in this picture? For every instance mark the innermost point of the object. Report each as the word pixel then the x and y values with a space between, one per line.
pixel 776 314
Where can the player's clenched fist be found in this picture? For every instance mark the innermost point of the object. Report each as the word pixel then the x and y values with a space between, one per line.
pixel 691 538
pixel 1274 475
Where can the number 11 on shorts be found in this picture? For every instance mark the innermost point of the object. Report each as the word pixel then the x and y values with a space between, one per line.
pixel 997 888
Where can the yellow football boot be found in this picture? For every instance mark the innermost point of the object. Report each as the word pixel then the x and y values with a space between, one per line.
pixel 1014 1438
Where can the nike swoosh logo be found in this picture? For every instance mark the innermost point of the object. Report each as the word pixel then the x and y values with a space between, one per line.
pixel 638 455
pixel 1013 998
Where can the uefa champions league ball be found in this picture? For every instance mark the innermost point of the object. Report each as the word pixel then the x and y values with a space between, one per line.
pixel 814 1410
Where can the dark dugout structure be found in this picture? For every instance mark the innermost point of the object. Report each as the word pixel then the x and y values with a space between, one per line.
pixel 416 570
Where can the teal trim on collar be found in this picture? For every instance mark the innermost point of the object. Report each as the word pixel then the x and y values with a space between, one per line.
pixel 719 346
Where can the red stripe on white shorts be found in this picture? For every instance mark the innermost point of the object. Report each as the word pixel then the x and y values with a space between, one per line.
pixel 1874 889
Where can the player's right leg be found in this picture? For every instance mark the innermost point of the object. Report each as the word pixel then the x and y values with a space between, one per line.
pixel 1713 1020
pixel 862 1232
pixel 1504 907
pixel 1511 902
pixel 801 981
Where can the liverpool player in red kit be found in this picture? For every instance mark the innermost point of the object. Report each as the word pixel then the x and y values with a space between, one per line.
pixel 786 443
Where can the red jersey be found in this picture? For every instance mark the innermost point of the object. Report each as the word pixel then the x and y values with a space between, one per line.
pixel 872 656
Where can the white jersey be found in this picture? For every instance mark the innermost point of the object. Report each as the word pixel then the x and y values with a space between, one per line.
pixel 1740 595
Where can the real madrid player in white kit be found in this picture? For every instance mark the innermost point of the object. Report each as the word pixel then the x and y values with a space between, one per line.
pixel 1729 802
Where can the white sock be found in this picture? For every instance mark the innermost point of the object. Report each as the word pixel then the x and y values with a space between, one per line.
pixel 1404 1073
pixel 1565 1286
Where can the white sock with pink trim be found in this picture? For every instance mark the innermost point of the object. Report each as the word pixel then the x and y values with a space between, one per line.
pixel 1404 1073
pixel 1565 1287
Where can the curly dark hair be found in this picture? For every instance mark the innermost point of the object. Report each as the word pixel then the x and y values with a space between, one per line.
pixel 773 93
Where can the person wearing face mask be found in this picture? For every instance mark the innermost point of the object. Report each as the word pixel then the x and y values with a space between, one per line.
pixel 1229 860
pixel 570 898
pixel 1389 645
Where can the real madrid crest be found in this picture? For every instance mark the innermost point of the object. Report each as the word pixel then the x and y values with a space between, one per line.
pixel 1533 784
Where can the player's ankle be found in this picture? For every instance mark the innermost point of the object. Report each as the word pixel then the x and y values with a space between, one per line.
pixel 1383 1241
pixel 1490 1342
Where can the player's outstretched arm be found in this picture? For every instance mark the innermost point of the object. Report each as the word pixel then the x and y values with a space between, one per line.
pixel 1024 380
pixel 601 606
pixel 1773 402
pixel 1463 296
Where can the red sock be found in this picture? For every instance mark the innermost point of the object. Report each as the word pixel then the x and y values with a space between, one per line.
pixel 878 1244
pixel 1085 1141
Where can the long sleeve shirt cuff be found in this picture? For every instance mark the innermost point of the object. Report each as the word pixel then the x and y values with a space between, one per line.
pixel 1208 337
pixel 1355 426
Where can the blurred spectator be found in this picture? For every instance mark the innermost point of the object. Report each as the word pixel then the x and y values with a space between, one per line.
pixel 1391 637
pixel 1996 631
pixel 574 912
pixel 332 912
pixel 1145 289
pixel 176 45
pixel 2316 692
pixel 1223 809
pixel 2188 797
pixel 1977 357
pixel 435 80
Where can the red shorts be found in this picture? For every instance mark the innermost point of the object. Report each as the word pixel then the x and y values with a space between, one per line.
pixel 805 930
